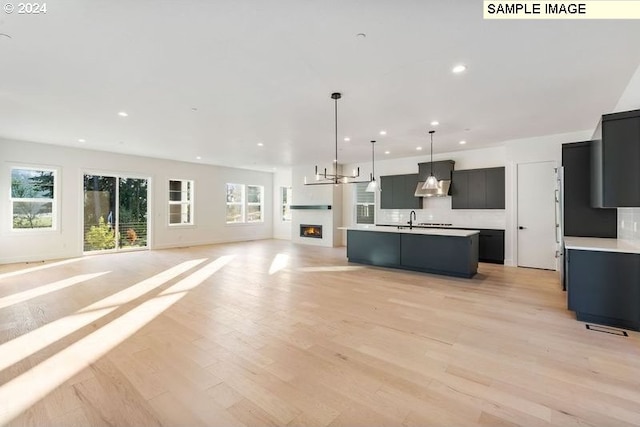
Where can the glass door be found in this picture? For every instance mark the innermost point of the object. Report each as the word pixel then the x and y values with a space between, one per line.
pixel 115 213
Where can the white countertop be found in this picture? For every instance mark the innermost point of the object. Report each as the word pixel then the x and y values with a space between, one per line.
pixel 601 244
pixel 428 231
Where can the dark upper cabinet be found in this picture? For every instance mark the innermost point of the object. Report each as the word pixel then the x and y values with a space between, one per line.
pixel 495 188
pixel 441 170
pixel 615 157
pixel 478 188
pixel 397 192
pixel 460 189
pixel 580 218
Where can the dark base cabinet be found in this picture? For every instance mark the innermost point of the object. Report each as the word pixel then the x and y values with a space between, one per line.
pixel 491 246
pixel 604 287
pixel 448 255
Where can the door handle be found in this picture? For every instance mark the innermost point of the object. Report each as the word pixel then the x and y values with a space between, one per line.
pixel 521 228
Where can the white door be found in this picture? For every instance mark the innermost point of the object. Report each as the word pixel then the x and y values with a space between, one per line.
pixel 537 215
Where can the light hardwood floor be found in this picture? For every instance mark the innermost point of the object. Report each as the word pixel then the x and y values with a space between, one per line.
pixel 272 333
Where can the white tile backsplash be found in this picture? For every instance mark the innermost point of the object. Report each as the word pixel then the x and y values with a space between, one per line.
pixel 629 224
pixel 438 210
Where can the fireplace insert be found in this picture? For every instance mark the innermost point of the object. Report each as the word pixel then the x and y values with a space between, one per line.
pixel 314 231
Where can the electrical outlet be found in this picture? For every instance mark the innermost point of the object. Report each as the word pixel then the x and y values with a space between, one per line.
pixel 635 226
pixel 622 224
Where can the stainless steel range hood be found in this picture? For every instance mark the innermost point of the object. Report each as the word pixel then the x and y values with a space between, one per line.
pixel 441 191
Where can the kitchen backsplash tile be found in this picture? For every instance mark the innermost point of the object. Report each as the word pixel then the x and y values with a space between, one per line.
pixel 438 210
pixel 629 224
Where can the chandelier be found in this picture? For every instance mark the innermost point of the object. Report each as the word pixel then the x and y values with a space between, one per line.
pixel 325 178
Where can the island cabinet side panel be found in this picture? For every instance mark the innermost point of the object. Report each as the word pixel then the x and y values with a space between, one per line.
pixel 372 247
pixel 604 287
pixel 456 256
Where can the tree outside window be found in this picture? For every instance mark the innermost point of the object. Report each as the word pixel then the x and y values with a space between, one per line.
pixel 244 203
pixel 235 203
pixel 33 198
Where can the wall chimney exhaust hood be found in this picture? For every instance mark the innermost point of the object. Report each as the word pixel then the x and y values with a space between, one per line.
pixel 442 171
pixel 442 190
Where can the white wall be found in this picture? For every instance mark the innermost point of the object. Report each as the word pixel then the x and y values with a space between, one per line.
pixel 315 195
pixel 209 201
pixel 281 229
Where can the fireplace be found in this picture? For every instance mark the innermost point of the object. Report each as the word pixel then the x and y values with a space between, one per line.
pixel 314 231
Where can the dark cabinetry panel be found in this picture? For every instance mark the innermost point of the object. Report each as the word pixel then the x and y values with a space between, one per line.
pixel 449 255
pixel 441 170
pixel 604 287
pixel 478 188
pixel 397 192
pixel 495 188
pixel 491 246
pixel 615 178
pixel 459 190
pixel 580 219
pixel 373 248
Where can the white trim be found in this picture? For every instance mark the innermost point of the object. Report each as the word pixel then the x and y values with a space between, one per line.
pixel 55 211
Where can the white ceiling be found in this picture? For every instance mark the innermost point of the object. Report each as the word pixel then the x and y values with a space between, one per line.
pixel 262 71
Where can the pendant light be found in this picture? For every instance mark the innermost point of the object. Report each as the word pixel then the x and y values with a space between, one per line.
pixel 373 184
pixel 432 182
pixel 334 178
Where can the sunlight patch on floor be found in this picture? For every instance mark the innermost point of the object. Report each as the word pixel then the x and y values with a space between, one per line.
pixel 46 289
pixel 33 341
pixel 23 391
pixel 279 262
pixel 39 267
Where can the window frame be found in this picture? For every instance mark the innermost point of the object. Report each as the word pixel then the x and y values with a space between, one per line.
pixel 190 202
pixel 55 213
pixel 244 204
pixel 285 205
pixel 356 204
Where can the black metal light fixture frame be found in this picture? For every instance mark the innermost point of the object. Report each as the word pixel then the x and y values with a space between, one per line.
pixel 335 178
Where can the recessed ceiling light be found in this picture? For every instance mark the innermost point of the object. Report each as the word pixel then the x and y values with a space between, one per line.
pixel 387 152
pixel 361 35
pixel 462 142
pixel 418 148
pixel 198 157
pixel 123 114
pixel 194 109
pixel 459 68
pixel 82 140
pixel 260 144
pixel 347 139
pixel 383 132
pixel 435 123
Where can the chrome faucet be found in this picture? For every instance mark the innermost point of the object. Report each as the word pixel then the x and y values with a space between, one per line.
pixel 412 216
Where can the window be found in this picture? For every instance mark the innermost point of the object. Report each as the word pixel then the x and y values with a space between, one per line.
pixel 244 209
pixel 254 203
pixel 285 201
pixel 365 204
pixel 180 202
pixel 33 198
